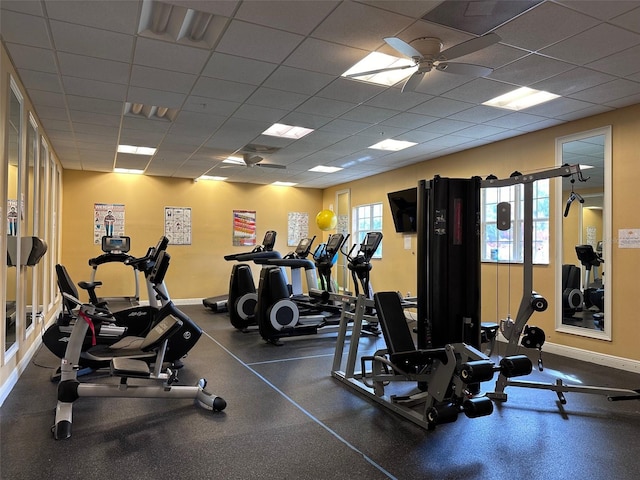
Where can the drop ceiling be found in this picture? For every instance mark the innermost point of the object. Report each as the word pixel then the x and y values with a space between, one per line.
pixel 85 63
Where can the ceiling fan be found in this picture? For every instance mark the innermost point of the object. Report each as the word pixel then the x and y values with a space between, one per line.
pixel 427 54
pixel 251 161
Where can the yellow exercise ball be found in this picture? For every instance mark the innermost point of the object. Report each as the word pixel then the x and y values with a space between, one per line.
pixel 326 220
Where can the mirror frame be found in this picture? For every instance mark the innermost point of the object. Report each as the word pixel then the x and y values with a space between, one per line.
pixel 342 272
pixel 606 236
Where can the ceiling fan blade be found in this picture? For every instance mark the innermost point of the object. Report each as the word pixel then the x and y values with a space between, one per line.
pixel 470 46
pixel 403 47
pixel 467 69
pixel 413 81
pixel 380 70
pixel 270 165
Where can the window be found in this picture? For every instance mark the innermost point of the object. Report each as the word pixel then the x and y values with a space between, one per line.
pixel 507 245
pixel 367 218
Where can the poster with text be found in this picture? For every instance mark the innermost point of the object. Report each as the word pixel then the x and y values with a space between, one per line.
pixel 177 225
pixel 244 228
pixel 108 221
pixel 298 228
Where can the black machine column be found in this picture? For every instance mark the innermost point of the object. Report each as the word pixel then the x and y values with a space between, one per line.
pixel 448 255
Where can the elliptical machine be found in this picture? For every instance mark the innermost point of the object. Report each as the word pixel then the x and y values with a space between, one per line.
pixel 242 298
pixel 281 313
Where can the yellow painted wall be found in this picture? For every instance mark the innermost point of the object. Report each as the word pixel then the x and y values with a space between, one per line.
pixel 530 152
pixel 197 270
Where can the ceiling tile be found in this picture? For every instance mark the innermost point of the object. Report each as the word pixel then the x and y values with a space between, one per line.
pixel 325 107
pixel 95 43
pixel 32 58
pixel 544 25
pixel 365 113
pixel 98 105
pixel 238 69
pixel 292 16
pixel 48 82
pixel 441 107
pixel 209 106
pixel 573 81
pixel 81 66
pixel 24 29
pixel 305 120
pixel 95 118
pixel 138 122
pixel 365 33
pixel 480 114
pixel 258 113
pixel 159 98
pixel 395 99
pixel 115 16
pixel 601 9
pixel 593 44
pixel 608 92
pixel 324 57
pixel 349 90
pixel 347 126
pixel 478 91
pixel 444 126
pixel 622 64
pixel 169 56
pixel 268 97
pixel 296 80
pixel 157 79
pixel 254 41
pixel 530 69
pixel 222 89
pixel 408 120
pixel 629 20
pixel 94 88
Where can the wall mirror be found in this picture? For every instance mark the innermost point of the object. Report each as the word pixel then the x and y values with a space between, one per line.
pixel 343 212
pixel 14 143
pixel 43 266
pixel 30 293
pixel 583 245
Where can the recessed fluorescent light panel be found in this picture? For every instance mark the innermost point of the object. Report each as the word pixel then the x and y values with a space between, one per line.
pixel 520 99
pixel 392 145
pixel 136 150
pixel 286 131
pixel 283 184
pixel 211 177
pixel 323 169
pixel 376 61
pixel 128 170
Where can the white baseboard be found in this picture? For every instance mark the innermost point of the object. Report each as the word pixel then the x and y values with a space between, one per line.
pixel 10 382
pixel 592 357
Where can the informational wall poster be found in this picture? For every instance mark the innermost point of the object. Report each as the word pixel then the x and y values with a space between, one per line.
pixel 108 220
pixel 177 225
pixel 244 228
pixel 629 238
pixel 298 228
pixel 12 217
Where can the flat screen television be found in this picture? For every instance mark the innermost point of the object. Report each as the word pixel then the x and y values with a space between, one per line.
pixel 404 205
